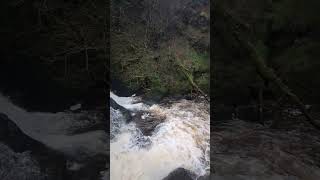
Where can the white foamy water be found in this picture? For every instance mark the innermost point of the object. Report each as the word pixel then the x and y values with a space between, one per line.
pixel 130 103
pixel 52 130
pixel 182 140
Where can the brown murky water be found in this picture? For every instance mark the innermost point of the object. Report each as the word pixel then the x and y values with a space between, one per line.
pixel 181 140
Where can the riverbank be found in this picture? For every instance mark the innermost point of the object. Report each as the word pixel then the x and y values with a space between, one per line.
pixel 244 150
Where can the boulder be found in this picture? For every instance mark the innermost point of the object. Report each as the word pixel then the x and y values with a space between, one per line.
pixel 126 113
pixel 147 121
pixel 75 107
pixel 181 174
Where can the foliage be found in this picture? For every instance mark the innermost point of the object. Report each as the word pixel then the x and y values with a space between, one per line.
pixel 68 39
pixel 285 35
pixel 147 55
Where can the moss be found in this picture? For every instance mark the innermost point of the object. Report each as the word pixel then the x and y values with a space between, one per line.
pixel 200 61
pixel 153 67
pixel 157 72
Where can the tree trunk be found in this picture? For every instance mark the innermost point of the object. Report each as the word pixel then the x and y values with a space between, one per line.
pixel 260 105
pixel 193 84
pixel 265 72
pixel 268 74
pixel 87 60
pixel 66 67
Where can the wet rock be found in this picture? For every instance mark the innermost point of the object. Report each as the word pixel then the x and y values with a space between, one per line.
pixel 88 121
pixel 75 107
pixel 120 88
pixel 147 121
pixel 205 177
pixel 51 162
pixel 180 174
pixel 126 113
pixel 244 150
pixel 90 169
pixel 18 166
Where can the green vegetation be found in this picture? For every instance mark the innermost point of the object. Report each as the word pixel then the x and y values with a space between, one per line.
pixel 146 54
pixel 64 43
pixel 284 34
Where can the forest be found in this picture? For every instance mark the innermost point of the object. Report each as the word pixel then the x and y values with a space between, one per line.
pixel 265 89
pixel 53 81
pixel 159 89
pixel 59 59
pixel 54 51
pixel 161 48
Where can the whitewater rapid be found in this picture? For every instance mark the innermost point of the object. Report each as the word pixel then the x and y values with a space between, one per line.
pixel 52 129
pixel 182 140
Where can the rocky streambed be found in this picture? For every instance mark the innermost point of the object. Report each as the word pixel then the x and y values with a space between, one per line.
pixel 245 150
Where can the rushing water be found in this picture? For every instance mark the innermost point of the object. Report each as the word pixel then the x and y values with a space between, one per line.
pixel 52 129
pixel 181 140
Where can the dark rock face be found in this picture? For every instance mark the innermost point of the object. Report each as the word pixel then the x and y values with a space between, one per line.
pixel 147 122
pixel 53 165
pixel 51 162
pixel 126 113
pixel 118 87
pixel 180 174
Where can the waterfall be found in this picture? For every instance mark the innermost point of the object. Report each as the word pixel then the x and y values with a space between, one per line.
pixel 181 140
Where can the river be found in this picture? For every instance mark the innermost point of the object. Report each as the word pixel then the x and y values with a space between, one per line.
pixel 181 139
